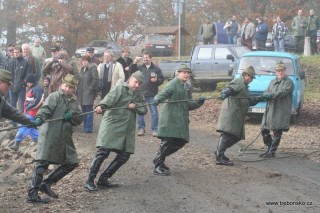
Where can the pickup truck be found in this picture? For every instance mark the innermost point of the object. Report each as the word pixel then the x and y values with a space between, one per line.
pixel 209 64
pixel 264 63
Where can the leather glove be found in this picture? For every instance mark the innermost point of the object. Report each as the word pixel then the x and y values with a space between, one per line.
pixel 67 116
pixel 37 122
pixel 222 96
pixel 156 102
pixel 267 96
pixel 201 100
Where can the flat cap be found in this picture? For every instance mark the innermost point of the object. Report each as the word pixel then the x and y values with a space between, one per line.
pixel 184 67
pixel 5 76
pixel 90 49
pixel 71 80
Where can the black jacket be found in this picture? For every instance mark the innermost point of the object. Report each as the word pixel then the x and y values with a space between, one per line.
pixel 149 88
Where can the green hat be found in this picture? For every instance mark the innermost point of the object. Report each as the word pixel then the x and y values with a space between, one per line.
pixel 250 71
pixel 139 76
pixel 184 67
pixel 70 80
pixel 280 66
pixel 5 76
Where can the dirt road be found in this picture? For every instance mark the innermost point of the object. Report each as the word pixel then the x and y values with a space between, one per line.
pixel 289 183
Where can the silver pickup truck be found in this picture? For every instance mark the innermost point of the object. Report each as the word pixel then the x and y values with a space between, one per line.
pixel 209 64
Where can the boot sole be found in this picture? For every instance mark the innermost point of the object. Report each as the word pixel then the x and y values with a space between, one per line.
pixel 44 201
pixel 90 189
pixel 222 164
pixel 161 174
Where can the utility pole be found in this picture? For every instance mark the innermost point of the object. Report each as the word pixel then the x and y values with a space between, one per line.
pixel 179 11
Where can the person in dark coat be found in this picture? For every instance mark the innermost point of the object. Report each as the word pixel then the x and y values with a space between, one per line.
pixel 6 110
pixel 117 129
pixel 277 115
pixel 125 61
pixel 261 34
pixel 174 118
pixel 55 144
pixel 87 91
pixel 232 114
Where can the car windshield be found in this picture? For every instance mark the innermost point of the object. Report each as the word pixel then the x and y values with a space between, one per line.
pixel 239 51
pixel 265 65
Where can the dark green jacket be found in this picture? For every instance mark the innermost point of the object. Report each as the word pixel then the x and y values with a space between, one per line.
pixel 233 110
pixel 55 140
pixel 277 115
pixel 174 117
pixel 9 112
pixel 117 128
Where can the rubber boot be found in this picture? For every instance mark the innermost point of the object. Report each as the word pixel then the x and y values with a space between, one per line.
pixel 160 158
pixel 165 167
pixel 15 146
pixel 226 141
pixel 120 159
pixel 267 140
pixel 35 182
pixel 274 145
pixel 100 156
pixel 54 177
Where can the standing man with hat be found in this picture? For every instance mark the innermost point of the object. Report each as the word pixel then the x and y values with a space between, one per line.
pixel 233 111
pixel 55 142
pixel 117 129
pixel 6 110
pixel 277 115
pixel 174 118
pixel 93 59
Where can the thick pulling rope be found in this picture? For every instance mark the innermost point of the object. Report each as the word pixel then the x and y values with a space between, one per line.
pixel 177 101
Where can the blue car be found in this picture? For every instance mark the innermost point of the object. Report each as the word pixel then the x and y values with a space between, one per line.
pixel 264 63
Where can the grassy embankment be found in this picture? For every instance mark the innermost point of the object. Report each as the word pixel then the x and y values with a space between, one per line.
pixel 310 64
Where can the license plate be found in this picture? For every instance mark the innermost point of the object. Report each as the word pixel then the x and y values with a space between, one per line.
pixel 160 47
pixel 258 110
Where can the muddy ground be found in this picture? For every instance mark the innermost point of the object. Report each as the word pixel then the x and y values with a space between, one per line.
pixel 291 181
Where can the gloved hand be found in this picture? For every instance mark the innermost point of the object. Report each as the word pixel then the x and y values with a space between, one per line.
pixel 201 100
pixel 267 96
pixel 156 102
pixel 67 116
pixel 259 99
pixel 222 96
pixel 37 122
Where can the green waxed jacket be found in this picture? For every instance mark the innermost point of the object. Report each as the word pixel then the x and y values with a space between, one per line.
pixel 174 117
pixel 277 115
pixel 117 128
pixel 299 25
pixel 233 110
pixel 55 141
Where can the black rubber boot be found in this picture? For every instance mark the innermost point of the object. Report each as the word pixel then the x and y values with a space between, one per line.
pixel 100 156
pixel 35 183
pixel 164 167
pixel 120 159
pixel 54 177
pixel 267 140
pixel 160 158
pixel 274 145
pixel 226 141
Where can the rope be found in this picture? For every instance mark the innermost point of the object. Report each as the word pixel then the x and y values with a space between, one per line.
pixel 114 108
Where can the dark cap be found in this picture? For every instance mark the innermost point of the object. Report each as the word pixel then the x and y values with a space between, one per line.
pixel 90 49
pixel 260 18
pixel 5 76
pixel 31 78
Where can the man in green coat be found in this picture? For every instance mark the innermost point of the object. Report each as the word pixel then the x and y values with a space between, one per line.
pixel 233 112
pixel 117 129
pixel 299 25
pixel 55 142
pixel 173 127
pixel 6 110
pixel 278 111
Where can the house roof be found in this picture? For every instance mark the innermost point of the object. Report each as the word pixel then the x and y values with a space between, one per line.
pixel 166 30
